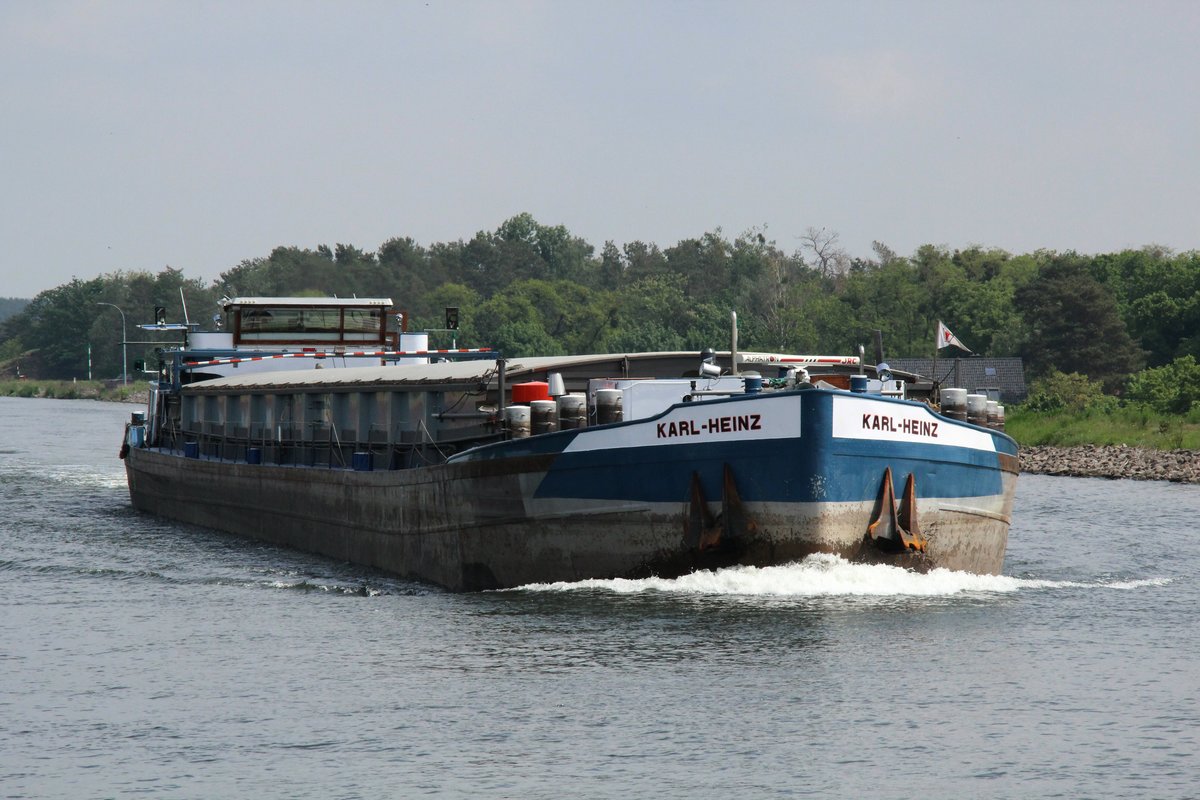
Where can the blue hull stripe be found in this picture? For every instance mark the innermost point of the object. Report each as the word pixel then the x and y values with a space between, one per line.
pixel 780 471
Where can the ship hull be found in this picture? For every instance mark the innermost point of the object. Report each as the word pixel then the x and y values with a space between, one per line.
pixel 753 480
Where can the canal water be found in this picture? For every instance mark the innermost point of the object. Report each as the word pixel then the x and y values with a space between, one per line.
pixel 142 657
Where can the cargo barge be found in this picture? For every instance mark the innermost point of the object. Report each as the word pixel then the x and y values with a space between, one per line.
pixel 472 471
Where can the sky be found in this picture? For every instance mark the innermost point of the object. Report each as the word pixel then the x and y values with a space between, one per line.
pixel 140 135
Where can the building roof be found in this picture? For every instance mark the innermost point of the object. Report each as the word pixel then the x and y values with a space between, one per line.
pixel 1005 376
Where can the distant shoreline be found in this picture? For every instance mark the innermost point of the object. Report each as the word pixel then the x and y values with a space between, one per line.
pixel 1113 461
pixel 72 390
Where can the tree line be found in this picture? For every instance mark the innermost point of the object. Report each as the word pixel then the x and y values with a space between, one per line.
pixel 10 306
pixel 532 289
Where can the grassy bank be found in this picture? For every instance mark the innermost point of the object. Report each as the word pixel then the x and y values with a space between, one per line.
pixel 74 390
pixel 1133 425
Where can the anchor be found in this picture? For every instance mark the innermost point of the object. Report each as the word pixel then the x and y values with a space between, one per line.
pixel 895 526
pixel 703 531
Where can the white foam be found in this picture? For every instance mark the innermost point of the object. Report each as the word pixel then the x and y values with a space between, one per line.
pixel 824 575
pixel 1137 584
pixel 308 586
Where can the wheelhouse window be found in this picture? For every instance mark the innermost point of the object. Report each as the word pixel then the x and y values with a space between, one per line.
pixel 364 320
pixel 326 325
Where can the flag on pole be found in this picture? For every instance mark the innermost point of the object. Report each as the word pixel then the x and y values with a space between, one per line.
pixel 945 338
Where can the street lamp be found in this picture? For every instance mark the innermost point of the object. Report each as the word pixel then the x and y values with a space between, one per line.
pixel 124 341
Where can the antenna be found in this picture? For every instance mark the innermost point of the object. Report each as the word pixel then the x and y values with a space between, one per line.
pixel 186 321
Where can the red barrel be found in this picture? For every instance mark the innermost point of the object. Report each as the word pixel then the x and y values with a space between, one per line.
pixel 530 391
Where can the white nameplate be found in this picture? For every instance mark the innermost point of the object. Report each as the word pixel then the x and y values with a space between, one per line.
pixel 764 418
pixel 878 420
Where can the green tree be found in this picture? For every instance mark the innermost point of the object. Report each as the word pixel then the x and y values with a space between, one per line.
pixel 657 313
pixel 1171 389
pixel 524 337
pixel 359 273
pixel 565 257
pixel 1158 295
pixel 1073 324
pixel 59 322
pixel 250 278
pixel 572 318
pixel 705 265
pixel 11 306
pixel 1071 392
pixel 511 322
pixel 643 260
pixel 522 249
pixel 290 271
pixel 888 298
pixel 408 272
pixel 429 315
pixel 611 272
pixel 778 298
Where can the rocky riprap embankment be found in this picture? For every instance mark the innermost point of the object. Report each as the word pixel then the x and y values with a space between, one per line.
pixel 1118 461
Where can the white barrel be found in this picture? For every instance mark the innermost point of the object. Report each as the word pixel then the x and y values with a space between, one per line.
pixel 977 409
pixel 414 341
pixel 954 399
pixel 999 417
pixel 608 406
pixel 516 419
pixel 572 411
pixel 543 416
pixel 992 415
pixel 954 403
